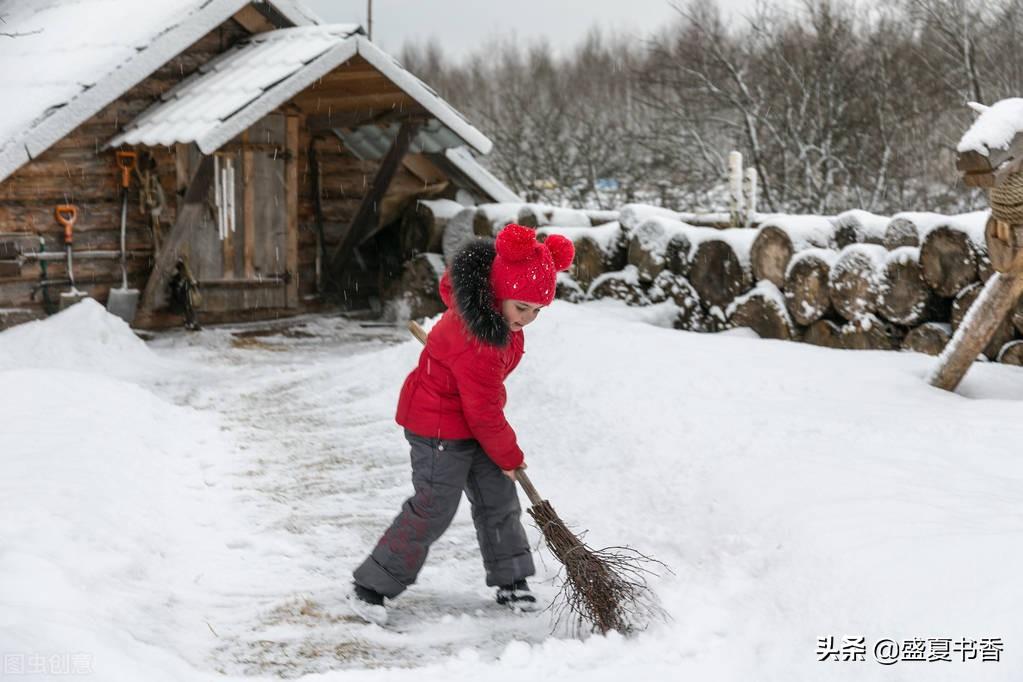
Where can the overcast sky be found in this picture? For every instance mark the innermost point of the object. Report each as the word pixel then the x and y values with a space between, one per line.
pixel 464 25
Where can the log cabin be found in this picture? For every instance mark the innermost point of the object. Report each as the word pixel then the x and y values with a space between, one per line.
pixel 272 153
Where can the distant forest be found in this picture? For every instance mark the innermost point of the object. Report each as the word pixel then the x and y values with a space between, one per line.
pixel 837 104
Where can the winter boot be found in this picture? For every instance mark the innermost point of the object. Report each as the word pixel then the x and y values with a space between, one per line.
pixel 368 605
pixel 517 596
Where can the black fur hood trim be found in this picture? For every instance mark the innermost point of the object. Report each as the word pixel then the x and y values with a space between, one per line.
pixel 474 297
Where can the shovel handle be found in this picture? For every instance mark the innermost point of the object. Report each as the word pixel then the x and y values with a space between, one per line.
pixel 520 474
pixel 126 162
pixel 66 215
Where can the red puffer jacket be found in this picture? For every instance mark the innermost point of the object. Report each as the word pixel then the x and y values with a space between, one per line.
pixel 457 390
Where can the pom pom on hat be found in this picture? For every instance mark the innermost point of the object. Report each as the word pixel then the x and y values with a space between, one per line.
pixel 562 251
pixel 516 243
pixel 525 269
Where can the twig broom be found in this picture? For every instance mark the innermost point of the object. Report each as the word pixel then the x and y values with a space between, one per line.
pixel 604 588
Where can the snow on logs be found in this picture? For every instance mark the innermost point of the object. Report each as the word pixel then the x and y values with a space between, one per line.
pixel 763 310
pixel 859 227
pixel 854 283
pixel 422 226
pixel 598 250
pixel 807 297
pixel 856 280
pixel 782 236
pixel 658 244
pixel 904 297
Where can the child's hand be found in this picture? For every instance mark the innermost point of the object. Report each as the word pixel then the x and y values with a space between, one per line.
pixel 510 473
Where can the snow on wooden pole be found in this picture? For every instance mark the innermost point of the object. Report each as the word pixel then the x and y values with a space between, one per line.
pixel 984 318
pixel 735 186
pixel 750 191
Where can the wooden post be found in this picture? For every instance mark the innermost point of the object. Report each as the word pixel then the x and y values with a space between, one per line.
pixel 368 215
pixel 291 184
pixel 985 315
pixel 248 212
pixel 192 208
pixel 735 187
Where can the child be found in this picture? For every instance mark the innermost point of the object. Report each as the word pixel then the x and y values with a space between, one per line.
pixel 452 408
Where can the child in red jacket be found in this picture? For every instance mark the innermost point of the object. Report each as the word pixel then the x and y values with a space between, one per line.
pixel 452 408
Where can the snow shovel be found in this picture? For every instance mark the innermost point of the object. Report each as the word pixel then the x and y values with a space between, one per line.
pixel 124 302
pixel 66 215
pixel 605 589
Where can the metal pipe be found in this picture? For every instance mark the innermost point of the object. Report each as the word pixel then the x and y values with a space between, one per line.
pixel 87 255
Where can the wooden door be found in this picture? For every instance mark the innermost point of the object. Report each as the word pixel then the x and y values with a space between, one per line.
pixel 241 256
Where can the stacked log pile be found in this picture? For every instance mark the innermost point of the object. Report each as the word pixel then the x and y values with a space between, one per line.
pixel 852 281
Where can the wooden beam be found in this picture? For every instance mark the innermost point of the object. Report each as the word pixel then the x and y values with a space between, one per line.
pixel 324 104
pixel 252 21
pixel 994 304
pixel 327 123
pixel 365 223
pixel 248 213
pixel 291 204
pixel 193 207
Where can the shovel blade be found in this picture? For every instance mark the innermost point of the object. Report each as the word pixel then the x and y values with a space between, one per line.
pixel 123 303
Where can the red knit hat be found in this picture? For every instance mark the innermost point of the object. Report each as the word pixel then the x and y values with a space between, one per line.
pixel 525 269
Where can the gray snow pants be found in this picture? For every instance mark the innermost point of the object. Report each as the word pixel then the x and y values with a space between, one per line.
pixel 441 470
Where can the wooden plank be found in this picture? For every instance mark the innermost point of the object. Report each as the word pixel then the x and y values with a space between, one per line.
pixel 191 213
pixel 987 313
pixel 249 213
pixel 367 218
pixel 252 21
pixel 291 189
pixel 322 105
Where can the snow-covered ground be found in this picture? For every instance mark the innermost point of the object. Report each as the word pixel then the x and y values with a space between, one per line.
pixel 191 508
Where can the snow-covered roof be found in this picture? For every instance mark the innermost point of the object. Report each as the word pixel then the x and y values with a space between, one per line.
pixel 70 58
pixel 463 159
pixel 235 90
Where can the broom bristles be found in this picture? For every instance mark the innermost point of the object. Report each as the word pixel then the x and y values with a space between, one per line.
pixel 604 588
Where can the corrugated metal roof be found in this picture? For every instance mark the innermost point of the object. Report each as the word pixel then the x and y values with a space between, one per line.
pixel 71 58
pixel 234 91
pixel 195 109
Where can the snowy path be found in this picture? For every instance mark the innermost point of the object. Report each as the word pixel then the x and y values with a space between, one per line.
pixel 323 469
pixel 194 506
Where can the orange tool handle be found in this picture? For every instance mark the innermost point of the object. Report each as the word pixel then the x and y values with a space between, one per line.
pixel 126 161
pixel 66 215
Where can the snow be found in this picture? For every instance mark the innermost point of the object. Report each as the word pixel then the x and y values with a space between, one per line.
pixel 442 208
pixel 633 215
pixel 80 65
pixel 656 232
pixel 764 289
pixel 973 225
pixel 903 255
pixel 197 516
pixel 829 256
pixel 994 128
pixel 870 224
pixel 739 238
pixel 875 255
pixel 606 236
pixel 922 220
pixel 805 231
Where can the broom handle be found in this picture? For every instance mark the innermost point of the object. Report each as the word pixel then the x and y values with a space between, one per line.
pixel 520 474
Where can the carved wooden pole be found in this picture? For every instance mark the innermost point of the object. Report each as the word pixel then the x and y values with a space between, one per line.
pixel 998 170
